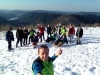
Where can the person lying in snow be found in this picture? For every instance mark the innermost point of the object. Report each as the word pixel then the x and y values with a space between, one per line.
pixel 60 41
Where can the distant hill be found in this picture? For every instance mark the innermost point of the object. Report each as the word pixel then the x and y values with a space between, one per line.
pixel 54 18
pixel 91 18
pixel 33 17
pixel 47 11
pixel 4 22
pixel 77 19
pixel 5 11
pixel 7 16
pixel 66 19
pixel 94 13
pixel 36 17
pixel 18 12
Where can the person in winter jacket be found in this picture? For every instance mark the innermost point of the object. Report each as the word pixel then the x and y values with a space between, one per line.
pixel 79 34
pixel 63 33
pixel 52 38
pixel 31 34
pixel 41 31
pixel 60 41
pixel 49 30
pixel 19 35
pixel 43 64
pixel 71 33
pixel 25 35
pixel 54 29
pixel 9 38
pixel 58 30
pixel 63 30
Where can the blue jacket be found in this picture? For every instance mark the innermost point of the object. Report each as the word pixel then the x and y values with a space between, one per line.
pixel 9 36
pixel 37 66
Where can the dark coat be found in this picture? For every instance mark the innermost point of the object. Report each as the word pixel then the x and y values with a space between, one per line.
pixel 49 29
pixel 35 39
pixel 19 33
pixel 79 33
pixel 9 36
pixel 25 33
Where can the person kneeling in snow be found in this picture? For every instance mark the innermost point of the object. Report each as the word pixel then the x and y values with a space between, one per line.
pixel 43 64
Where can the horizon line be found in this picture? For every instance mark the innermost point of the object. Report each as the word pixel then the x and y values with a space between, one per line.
pixel 43 10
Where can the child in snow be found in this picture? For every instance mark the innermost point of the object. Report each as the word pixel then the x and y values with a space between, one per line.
pixel 43 64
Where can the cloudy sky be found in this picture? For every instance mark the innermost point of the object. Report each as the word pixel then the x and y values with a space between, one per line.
pixel 55 5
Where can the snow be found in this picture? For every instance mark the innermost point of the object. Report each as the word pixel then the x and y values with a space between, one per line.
pixel 80 59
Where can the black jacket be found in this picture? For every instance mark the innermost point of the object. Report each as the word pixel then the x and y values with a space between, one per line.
pixel 49 29
pixel 25 33
pixel 79 33
pixel 19 33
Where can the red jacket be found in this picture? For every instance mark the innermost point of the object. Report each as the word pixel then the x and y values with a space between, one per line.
pixel 41 29
pixel 71 30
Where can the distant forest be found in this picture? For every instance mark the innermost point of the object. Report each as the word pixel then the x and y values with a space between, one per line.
pixel 32 18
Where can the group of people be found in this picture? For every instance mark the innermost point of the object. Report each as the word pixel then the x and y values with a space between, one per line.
pixel 57 35
pixel 43 64
pixel 25 36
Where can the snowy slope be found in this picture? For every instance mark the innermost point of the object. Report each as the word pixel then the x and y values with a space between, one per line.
pixel 81 59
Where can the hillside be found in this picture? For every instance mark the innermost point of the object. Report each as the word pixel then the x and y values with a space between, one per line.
pixel 7 16
pixel 77 19
pixel 36 17
pixel 54 18
pixel 4 21
pixel 18 12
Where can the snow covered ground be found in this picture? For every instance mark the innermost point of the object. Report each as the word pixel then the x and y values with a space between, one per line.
pixel 81 59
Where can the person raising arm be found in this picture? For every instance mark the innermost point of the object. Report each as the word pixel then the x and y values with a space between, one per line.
pixel 43 64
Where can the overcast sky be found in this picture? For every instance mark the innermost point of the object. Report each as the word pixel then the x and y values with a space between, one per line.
pixel 55 5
